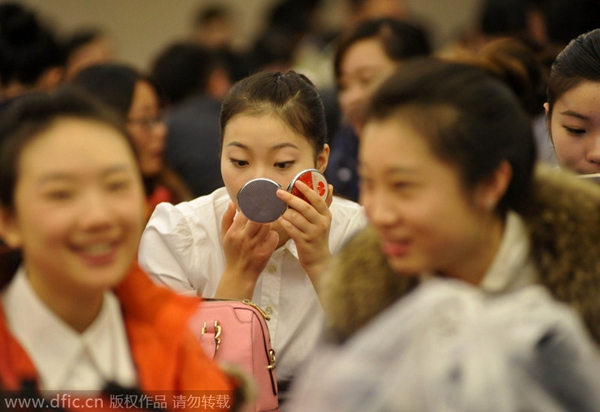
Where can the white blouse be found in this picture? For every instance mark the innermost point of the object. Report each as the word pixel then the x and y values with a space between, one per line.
pixel 181 248
pixel 64 358
pixel 513 266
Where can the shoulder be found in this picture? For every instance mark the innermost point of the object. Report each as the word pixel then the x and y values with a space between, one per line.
pixel 185 225
pixel 359 284
pixel 348 218
pixel 563 220
pixel 15 365
pixel 347 209
pixel 200 209
pixel 447 325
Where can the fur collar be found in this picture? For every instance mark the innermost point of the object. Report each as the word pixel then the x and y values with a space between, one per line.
pixel 563 220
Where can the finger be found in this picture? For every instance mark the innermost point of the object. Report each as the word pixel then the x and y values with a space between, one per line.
pixel 255 229
pixel 272 240
pixel 294 202
pixel 314 199
pixel 293 227
pixel 295 224
pixel 298 208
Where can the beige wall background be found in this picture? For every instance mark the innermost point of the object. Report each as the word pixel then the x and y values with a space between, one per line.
pixel 141 28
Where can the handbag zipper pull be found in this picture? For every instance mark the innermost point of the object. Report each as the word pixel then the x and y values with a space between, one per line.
pixel 255 306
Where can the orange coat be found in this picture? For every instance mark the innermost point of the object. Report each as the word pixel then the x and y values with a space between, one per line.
pixel 166 355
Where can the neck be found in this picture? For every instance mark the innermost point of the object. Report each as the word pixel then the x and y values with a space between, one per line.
pixel 478 258
pixel 150 183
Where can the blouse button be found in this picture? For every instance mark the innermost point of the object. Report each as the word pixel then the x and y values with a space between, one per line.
pixel 269 310
pixel 271 269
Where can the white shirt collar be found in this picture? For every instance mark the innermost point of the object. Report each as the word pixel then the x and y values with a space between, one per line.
pixel 290 245
pixel 63 358
pixel 512 266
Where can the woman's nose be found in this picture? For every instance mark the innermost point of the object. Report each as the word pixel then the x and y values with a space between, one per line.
pixel 264 172
pixel 378 209
pixel 160 129
pixel 593 154
pixel 95 210
pixel 354 96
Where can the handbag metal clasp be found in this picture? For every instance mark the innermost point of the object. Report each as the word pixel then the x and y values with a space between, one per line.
pixel 217 333
pixel 271 365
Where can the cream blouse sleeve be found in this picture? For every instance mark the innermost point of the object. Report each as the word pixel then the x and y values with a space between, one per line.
pixel 166 247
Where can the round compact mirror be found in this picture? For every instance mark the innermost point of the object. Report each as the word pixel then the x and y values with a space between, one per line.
pixel 313 179
pixel 258 200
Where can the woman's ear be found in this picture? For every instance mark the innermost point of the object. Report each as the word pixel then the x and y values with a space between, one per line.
pixel 547 111
pixel 493 189
pixel 9 229
pixel 323 158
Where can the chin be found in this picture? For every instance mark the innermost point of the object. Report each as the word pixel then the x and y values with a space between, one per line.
pixel 587 172
pixel 153 172
pixel 403 268
pixel 106 278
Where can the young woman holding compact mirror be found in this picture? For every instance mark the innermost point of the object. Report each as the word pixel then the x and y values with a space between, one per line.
pixel 272 127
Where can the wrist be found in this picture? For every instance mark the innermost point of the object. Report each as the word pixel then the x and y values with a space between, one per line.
pixel 235 286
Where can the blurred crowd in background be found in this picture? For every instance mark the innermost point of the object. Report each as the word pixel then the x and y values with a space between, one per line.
pixel 206 62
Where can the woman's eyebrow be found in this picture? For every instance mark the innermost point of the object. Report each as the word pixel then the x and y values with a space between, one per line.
pixel 283 145
pixel 66 176
pixel 272 149
pixel 574 114
pixel 238 144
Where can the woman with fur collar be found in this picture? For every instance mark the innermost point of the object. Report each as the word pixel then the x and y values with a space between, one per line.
pixel 449 184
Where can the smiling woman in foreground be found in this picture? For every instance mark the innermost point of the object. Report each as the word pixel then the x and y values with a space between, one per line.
pixel 79 314
pixel 476 269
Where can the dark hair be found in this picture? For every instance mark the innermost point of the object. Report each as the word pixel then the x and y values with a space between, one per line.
pixel 469 119
pixel 504 17
pixel 23 122
pixel 287 22
pixel 82 38
pixel 113 84
pixel 183 70
pixel 567 19
pixel 290 96
pixel 27 48
pixel 400 39
pixel 516 64
pixel 33 114
pixel 210 13
pixel 579 61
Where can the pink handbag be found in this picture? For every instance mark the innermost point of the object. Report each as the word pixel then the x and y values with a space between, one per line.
pixel 235 332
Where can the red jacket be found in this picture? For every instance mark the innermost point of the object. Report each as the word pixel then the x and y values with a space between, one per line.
pixel 166 355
